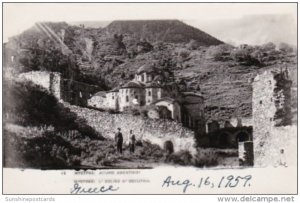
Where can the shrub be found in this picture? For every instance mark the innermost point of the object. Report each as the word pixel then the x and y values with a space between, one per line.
pixel 37 107
pixel 205 158
pixel 183 54
pixel 246 55
pixel 182 157
pixel 193 45
pixel 220 52
pixel 285 47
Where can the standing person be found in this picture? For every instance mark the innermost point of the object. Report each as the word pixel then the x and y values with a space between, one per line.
pixel 131 142
pixel 119 140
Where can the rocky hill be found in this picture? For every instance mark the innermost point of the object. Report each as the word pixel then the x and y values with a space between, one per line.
pixel 110 56
pixel 173 31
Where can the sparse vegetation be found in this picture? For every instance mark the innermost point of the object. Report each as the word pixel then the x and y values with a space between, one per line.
pixel 108 57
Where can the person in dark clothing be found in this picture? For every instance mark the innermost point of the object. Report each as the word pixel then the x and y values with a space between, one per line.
pixel 131 142
pixel 119 140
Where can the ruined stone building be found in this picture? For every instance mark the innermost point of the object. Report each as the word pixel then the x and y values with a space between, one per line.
pixel 74 92
pixel 161 100
pixel 271 107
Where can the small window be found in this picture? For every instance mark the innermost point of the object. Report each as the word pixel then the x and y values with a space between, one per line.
pixel 148 101
pixel 260 102
pixel 113 97
pixel 127 99
pixel 271 99
pixel 271 119
pixel 136 97
pixel 270 82
pixel 149 93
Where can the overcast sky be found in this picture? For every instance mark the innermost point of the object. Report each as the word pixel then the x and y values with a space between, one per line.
pixel 20 16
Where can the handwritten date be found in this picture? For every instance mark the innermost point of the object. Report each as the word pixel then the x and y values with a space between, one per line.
pixel 230 181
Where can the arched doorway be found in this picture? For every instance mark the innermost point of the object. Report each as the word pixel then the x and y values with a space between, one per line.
pixel 242 137
pixel 169 147
pixel 164 112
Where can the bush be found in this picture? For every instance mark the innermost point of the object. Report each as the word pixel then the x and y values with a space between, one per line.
pixel 34 106
pixel 246 55
pixel 45 151
pixel 184 54
pixel 285 47
pixel 220 52
pixel 193 45
pixel 183 158
pixel 205 158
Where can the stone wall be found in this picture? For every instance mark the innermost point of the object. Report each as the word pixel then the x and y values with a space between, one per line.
pixel 76 92
pixel 97 102
pixel 67 90
pixel 55 85
pixel 279 147
pixel 271 117
pixel 48 80
pixel 155 131
pixel 41 78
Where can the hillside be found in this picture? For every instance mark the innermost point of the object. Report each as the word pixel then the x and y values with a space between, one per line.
pixel 109 57
pixel 173 31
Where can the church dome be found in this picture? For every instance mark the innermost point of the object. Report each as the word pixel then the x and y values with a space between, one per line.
pixel 133 84
pixel 148 68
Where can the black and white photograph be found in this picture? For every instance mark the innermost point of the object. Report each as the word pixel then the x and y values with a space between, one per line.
pixel 134 88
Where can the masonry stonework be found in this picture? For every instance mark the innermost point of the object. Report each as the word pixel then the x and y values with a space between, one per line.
pixel 49 80
pixel 271 111
pixel 155 131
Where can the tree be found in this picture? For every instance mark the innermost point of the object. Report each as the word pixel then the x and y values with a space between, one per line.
pixel 220 52
pixel 285 47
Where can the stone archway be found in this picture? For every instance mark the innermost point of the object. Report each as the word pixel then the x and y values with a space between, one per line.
pixel 242 136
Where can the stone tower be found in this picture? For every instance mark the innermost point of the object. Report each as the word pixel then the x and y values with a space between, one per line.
pixel 271 106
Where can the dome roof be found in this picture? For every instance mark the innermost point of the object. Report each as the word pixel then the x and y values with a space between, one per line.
pixel 148 68
pixel 100 94
pixel 116 89
pixel 192 94
pixel 167 99
pixel 133 84
pixel 158 78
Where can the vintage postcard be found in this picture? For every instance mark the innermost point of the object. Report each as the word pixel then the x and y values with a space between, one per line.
pixel 149 98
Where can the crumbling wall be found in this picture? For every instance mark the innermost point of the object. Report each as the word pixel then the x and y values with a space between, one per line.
pixel 67 90
pixel 49 80
pixel 55 85
pixel 280 148
pixel 155 131
pixel 98 102
pixel 271 111
pixel 41 78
